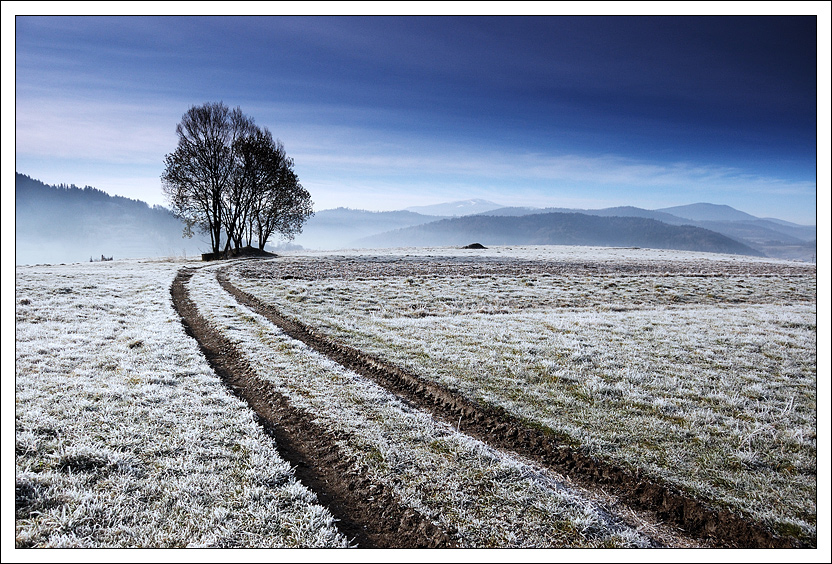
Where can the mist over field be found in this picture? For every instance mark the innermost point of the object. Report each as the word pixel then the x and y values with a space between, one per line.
pixel 704 227
pixel 62 224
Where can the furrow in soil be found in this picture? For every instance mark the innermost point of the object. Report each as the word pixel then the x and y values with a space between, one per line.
pixel 368 513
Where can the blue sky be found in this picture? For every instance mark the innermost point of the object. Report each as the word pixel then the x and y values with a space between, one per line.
pixel 386 113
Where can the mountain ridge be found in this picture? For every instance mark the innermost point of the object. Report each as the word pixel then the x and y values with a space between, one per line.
pixel 773 237
pixel 458 208
pixel 560 229
pixel 66 224
pixel 61 223
pixel 343 225
pixel 703 211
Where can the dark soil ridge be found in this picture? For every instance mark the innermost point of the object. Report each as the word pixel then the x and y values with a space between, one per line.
pixel 368 513
pixel 496 427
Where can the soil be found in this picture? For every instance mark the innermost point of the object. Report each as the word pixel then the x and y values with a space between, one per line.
pixel 368 513
pixel 649 499
pixel 243 252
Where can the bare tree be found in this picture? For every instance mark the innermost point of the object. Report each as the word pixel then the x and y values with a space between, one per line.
pixel 259 168
pixel 287 208
pixel 276 201
pixel 200 172
pixel 228 177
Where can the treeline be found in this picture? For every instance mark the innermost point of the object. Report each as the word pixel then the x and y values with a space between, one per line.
pixel 33 190
pixel 69 211
pixel 65 223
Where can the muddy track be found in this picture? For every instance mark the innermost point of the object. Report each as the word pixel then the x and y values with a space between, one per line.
pixel 368 513
pixel 660 502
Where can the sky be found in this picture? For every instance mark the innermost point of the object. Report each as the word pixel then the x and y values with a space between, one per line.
pixel 384 113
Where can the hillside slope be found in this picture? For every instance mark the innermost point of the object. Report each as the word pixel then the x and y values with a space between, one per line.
pixel 456 209
pixel 772 237
pixel 707 212
pixel 57 224
pixel 335 228
pixel 560 229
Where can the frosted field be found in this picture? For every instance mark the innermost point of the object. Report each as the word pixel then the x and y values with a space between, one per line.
pixel 698 369
pixel 491 499
pixel 124 435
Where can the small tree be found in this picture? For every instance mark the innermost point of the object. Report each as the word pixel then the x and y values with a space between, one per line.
pixel 275 200
pixel 200 172
pixel 227 177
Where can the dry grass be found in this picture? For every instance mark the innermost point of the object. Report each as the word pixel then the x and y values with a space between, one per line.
pixel 124 437
pixel 704 376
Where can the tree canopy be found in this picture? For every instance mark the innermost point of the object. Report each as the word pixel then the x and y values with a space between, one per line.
pixel 233 180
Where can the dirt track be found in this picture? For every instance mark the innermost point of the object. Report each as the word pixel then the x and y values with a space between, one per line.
pixel 656 502
pixel 368 514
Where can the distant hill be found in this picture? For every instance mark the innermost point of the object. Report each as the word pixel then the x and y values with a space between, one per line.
pixel 621 211
pixel 560 229
pixel 56 224
pixel 772 237
pixel 708 212
pixel 337 228
pixel 59 224
pixel 342 227
pixel 516 211
pixel 456 209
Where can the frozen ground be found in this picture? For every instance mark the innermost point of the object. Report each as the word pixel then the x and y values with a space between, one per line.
pixel 491 499
pixel 125 437
pixel 699 369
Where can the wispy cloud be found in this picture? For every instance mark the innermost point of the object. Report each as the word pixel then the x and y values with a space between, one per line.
pixel 89 128
pixel 604 170
pixel 397 112
pixel 355 166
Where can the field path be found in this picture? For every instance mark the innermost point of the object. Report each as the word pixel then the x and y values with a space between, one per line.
pixel 367 513
pixel 675 519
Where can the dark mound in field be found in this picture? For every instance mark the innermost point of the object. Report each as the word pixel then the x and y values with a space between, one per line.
pixel 474 246
pixel 249 251
pixel 245 252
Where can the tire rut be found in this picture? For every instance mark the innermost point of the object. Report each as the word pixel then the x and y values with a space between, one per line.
pixel 368 513
pixel 651 500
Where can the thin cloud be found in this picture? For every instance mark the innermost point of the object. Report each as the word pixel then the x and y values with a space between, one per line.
pixel 608 170
pixel 545 111
pixel 126 133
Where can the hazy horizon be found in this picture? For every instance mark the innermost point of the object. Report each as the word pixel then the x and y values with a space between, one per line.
pixel 425 209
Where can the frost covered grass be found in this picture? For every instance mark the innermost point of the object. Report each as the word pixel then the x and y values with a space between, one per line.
pixel 702 373
pixel 490 498
pixel 124 436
